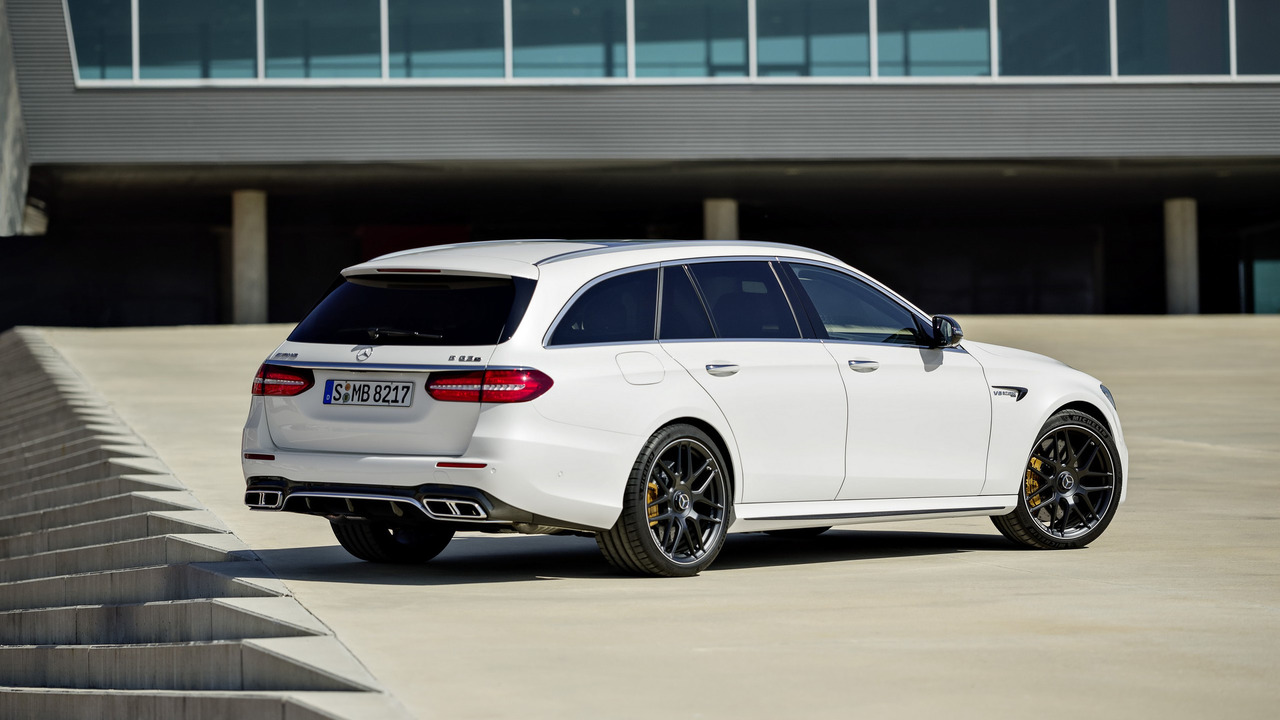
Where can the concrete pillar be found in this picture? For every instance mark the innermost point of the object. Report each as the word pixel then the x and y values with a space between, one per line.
pixel 1182 267
pixel 248 256
pixel 720 219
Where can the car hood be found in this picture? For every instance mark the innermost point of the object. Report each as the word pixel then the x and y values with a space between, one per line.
pixel 1008 356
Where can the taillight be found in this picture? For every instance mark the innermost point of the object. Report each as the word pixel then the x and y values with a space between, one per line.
pixel 493 386
pixel 282 381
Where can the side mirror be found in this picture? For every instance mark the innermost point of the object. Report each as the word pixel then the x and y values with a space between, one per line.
pixel 946 332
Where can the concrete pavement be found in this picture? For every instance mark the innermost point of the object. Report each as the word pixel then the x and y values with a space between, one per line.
pixel 1172 612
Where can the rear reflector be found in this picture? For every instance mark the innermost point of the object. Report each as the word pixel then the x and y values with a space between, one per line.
pixel 282 381
pixel 258 456
pixel 492 386
pixel 461 465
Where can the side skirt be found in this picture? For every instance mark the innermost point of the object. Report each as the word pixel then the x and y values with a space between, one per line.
pixel 756 517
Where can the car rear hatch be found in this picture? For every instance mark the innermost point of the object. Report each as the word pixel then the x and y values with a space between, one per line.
pixel 372 347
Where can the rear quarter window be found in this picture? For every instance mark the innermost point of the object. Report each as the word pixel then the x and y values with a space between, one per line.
pixel 622 308
pixel 412 310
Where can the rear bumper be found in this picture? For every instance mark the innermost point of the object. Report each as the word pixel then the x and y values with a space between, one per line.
pixel 530 470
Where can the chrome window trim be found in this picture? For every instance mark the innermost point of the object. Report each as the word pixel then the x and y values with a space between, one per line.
pixel 622 343
pixel 741 340
pixel 913 346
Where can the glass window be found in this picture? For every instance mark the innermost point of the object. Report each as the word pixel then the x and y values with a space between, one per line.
pixel 691 38
pixel 569 38
pixel 1062 37
pixel 1266 286
pixel 1257 27
pixel 934 37
pixel 194 39
pixel 745 300
pixel 103 36
pixel 619 309
pixel 445 38
pixel 813 37
pixel 323 38
pixel 683 316
pixel 411 310
pixel 850 309
pixel 1172 37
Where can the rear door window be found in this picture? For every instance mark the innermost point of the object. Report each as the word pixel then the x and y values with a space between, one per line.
pixel 683 315
pixel 622 308
pixel 417 310
pixel 745 300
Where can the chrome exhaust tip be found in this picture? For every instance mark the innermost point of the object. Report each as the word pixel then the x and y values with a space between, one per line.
pixel 454 509
pixel 264 499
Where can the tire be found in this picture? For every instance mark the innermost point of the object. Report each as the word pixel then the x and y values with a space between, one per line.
pixel 675 509
pixel 1070 488
pixel 374 542
pixel 798 533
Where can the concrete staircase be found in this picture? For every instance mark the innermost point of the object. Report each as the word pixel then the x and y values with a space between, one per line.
pixel 121 596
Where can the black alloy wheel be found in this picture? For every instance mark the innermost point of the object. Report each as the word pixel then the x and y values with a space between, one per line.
pixel 676 508
pixel 1070 488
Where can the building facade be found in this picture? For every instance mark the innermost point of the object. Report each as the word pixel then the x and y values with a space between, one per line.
pixel 216 162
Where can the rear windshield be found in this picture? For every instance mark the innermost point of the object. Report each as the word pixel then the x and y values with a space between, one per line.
pixel 413 310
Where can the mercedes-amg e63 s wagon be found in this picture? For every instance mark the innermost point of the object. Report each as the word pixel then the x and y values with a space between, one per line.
pixel 658 395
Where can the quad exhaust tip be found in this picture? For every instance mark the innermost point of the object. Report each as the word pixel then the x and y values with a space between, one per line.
pixel 454 509
pixel 264 499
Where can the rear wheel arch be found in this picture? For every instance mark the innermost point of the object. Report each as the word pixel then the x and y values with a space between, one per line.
pixel 716 437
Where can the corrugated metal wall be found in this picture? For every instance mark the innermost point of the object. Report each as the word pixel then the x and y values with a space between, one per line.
pixel 795 122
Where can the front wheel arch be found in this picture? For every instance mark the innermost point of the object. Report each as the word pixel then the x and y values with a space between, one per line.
pixel 1085 408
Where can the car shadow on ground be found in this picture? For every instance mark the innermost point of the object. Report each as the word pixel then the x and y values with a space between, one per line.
pixel 478 558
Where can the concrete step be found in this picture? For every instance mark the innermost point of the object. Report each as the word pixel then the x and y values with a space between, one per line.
pixel 70 704
pixel 121 595
pixel 215 665
pixel 86 472
pixel 144 552
pixel 142 585
pixel 201 620
pixel 41 464
pixel 111 530
pixel 108 507
pixel 65 443
pixel 86 491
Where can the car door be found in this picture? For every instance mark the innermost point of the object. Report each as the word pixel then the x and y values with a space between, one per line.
pixel 919 417
pixel 731 326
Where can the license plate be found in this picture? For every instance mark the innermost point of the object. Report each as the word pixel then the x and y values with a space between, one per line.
pixel 368 392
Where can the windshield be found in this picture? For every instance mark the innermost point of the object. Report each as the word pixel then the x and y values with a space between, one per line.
pixel 413 310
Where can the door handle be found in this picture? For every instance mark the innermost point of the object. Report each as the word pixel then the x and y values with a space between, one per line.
pixel 723 370
pixel 863 365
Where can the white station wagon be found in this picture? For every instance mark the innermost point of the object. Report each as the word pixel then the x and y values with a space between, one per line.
pixel 658 395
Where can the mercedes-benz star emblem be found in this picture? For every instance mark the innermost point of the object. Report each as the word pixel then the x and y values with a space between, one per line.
pixel 363 354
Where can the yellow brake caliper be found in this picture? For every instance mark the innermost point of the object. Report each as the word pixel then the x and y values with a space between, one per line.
pixel 1033 484
pixel 652 498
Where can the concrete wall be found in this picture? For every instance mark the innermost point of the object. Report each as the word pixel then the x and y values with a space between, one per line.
pixel 640 122
pixel 13 151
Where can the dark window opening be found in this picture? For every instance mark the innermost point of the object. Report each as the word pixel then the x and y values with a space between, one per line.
pixel 745 300
pixel 618 309
pixel 440 310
